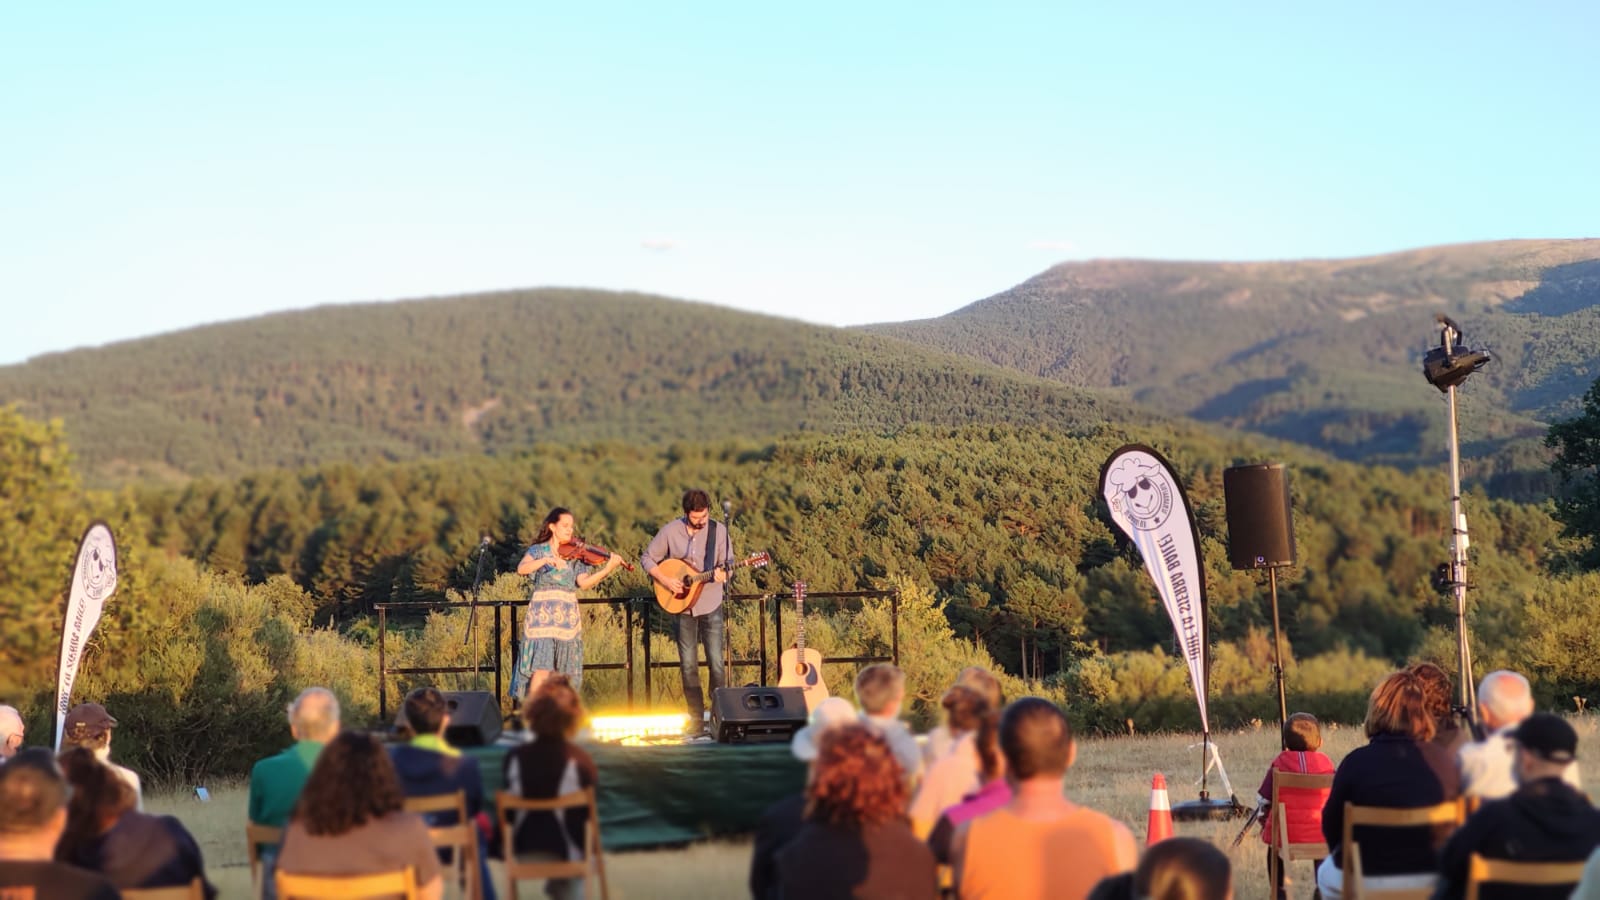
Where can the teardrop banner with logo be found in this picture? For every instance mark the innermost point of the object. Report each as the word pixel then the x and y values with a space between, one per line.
pixel 94 578
pixel 1147 502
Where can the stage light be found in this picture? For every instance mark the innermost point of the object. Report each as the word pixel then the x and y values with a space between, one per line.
pixel 637 729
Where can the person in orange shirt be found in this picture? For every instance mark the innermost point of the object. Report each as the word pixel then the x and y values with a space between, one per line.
pixel 1040 844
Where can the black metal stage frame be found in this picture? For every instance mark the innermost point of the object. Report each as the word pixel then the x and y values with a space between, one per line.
pixel 637 626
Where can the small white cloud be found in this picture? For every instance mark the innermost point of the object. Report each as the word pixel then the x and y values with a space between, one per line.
pixel 1054 246
pixel 659 245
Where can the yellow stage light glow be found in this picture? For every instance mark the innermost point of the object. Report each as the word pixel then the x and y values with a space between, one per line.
pixel 632 729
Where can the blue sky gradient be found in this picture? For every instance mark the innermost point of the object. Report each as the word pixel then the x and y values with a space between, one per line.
pixel 172 164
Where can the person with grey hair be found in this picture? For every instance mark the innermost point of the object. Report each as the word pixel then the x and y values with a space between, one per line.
pixel 276 782
pixel 33 813
pixel 1488 766
pixel 11 732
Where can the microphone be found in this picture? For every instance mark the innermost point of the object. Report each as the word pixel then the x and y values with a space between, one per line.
pixel 484 542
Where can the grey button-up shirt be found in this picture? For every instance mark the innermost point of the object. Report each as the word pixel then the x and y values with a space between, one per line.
pixel 676 541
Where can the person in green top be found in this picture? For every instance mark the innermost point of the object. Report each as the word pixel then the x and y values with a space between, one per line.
pixel 275 782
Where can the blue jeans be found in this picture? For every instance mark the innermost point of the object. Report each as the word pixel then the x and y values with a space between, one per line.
pixel 693 631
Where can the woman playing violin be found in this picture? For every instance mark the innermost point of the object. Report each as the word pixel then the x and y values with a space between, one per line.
pixel 552 629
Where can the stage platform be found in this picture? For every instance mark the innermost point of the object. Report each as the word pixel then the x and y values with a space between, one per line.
pixel 673 793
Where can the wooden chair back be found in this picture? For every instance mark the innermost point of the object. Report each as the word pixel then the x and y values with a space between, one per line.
pixel 254 836
pixel 507 805
pixel 1446 813
pixel 194 890
pixel 1282 850
pixel 461 838
pixel 402 882
pixel 1533 874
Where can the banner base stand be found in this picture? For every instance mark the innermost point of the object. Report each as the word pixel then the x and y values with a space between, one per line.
pixel 1207 809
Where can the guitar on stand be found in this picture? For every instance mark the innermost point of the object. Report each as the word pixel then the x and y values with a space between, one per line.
pixel 799 667
pixel 695 581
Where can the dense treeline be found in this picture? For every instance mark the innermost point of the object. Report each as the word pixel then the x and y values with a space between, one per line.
pixel 1319 352
pixel 234 594
pixel 497 373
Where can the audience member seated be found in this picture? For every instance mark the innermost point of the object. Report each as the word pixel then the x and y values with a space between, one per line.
pixel 880 690
pixel 429 766
pixel 1504 700
pixel 11 731
pixel 1040 844
pixel 1175 869
pixel 976 765
pixel 784 819
pixel 1447 726
pixel 350 820
pixel 33 814
pixel 1400 767
pixel 550 766
pixel 89 725
pixel 1302 735
pixel 106 834
pixel 942 739
pixel 1546 820
pixel 856 842
pixel 275 782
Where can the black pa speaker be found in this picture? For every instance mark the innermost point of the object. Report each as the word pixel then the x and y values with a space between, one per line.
pixel 1260 521
pixel 474 718
pixel 757 715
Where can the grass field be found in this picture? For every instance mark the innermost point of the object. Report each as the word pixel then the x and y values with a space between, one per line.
pixel 1112 775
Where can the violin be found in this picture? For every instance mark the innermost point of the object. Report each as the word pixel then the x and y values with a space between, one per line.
pixel 588 554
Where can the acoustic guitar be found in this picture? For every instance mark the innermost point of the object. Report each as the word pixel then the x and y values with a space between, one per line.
pixel 800 667
pixel 695 581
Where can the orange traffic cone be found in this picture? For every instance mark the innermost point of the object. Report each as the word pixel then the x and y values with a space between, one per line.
pixel 1159 825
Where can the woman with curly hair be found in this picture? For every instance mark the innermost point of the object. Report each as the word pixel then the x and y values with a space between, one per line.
pixel 549 766
pixel 1447 730
pixel 856 841
pixel 1401 767
pixel 106 834
pixel 350 820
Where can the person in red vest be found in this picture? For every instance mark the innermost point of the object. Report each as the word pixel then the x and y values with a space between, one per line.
pixel 1302 807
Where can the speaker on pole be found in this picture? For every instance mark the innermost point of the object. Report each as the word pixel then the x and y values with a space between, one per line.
pixel 1260 521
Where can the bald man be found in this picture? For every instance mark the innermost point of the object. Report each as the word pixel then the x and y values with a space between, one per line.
pixel 11 731
pixel 1487 767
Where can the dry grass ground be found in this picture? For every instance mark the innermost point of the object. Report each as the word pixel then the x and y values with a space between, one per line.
pixel 1112 775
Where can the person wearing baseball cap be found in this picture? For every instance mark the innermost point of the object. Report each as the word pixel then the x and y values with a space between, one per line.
pixel 89 725
pixel 1544 820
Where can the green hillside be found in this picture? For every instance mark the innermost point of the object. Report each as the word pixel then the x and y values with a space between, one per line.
pixel 1320 352
pixel 495 372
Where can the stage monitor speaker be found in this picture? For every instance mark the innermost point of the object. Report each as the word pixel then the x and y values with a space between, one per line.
pixel 757 715
pixel 1260 520
pixel 474 718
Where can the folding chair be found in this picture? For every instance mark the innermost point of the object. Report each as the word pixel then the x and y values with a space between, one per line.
pixel 506 805
pixel 461 838
pixel 1283 851
pixel 194 890
pixel 348 887
pixel 1506 871
pixel 254 836
pixel 1355 888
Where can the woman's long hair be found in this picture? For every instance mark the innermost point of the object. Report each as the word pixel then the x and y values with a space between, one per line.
pixel 352 783
pixel 554 710
pixel 1399 705
pixel 544 529
pixel 99 798
pixel 968 710
pixel 856 780
pixel 1183 869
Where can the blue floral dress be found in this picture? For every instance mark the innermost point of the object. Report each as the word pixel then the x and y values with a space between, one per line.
pixel 552 627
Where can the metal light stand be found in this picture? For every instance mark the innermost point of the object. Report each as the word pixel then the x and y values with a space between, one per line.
pixel 1446 368
pixel 472 619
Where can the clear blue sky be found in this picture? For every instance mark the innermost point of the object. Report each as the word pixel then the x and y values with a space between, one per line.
pixel 166 165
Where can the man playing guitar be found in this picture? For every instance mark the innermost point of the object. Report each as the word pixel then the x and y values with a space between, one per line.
pixel 705 546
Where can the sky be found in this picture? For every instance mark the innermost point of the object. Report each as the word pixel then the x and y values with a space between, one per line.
pixel 164 165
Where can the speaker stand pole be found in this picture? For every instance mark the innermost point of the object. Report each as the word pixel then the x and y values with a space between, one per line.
pixel 1458 563
pixel 1277 656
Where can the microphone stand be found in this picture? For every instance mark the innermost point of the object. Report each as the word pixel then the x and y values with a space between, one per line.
pixel 472 618
pixel 727 563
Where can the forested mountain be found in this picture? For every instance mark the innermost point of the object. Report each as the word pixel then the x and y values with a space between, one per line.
pixel 1321 352
pixel 496 372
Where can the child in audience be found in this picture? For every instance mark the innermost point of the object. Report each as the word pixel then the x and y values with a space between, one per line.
pixel 1302 807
